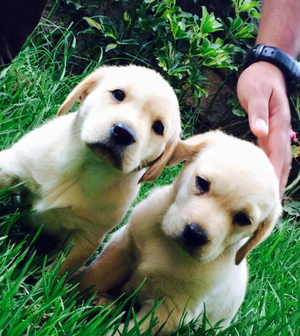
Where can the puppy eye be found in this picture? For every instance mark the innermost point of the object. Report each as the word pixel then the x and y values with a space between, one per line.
pixel 118 95
pixel 202 185
pixel 158 127
pixel 241 219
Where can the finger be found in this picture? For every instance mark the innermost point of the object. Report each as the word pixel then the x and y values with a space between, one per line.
pixel 280 157
pixel 285 173
pixel 277 144
pixel 258 112
pixel 275 148
pixel 280 124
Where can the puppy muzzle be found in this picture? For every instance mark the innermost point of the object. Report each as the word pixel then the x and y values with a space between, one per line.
pixel 192 238
pixel 112 150
pixel 111 155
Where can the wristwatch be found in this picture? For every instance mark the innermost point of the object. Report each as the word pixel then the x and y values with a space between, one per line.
pixel 289 66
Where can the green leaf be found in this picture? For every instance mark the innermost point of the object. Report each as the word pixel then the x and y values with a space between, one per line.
pixel 93 23
pixel 129 42
pixel 111 35
pixel 295 151
pixel 177 28
pixel 126 16
pixel 292 208
pixel 209 24
pixel 238 112
pixel 219 41
pixel 236 23
pixel 250 5
pixel 244 32
pixel 111 46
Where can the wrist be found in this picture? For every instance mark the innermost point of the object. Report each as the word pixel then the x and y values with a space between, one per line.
pixel 266 73
pixel 289 67
pixel 268 69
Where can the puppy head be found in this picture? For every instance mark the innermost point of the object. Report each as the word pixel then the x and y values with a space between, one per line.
pixel 226 192
pixel 129 118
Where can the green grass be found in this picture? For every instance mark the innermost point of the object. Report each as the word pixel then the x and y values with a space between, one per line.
pixel 33 301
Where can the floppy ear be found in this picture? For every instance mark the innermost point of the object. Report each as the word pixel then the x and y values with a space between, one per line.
pixel 263 231
pixel 81 91
pixel 158 165
pixel 173 154
pixel 186 149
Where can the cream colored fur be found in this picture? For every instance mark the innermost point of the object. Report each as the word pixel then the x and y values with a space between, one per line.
pixel 80 194
pixel 242 180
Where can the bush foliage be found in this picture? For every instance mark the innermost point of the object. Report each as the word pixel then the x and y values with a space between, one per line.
pixel 180 45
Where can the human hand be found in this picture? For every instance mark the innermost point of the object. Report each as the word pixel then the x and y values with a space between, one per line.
pixel 261 91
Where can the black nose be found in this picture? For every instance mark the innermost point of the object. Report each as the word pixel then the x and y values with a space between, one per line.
pixel 122 135
pixel 194 236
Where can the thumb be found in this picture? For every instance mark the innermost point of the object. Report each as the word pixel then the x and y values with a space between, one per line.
pixel 258 113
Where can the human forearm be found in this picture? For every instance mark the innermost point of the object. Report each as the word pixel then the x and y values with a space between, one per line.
pixel 280 25
pixel 262 87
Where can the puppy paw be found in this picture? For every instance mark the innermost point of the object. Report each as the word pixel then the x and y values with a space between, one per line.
pixel 6 175
pixel 104 299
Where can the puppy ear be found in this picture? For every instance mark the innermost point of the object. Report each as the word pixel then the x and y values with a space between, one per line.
pixel 158 165
pixel 173 154
pixel 186 149
pixel 81 91
pixel 263 231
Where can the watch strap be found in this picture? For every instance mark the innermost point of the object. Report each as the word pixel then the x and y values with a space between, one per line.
pixel 287 64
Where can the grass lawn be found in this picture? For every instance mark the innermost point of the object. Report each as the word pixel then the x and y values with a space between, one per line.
pixel 34 302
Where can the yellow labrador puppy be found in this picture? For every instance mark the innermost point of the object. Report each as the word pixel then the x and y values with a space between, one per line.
pixel 189 239
pixel 83 169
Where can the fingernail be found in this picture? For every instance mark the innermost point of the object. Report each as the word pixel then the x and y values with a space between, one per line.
pixel 261 126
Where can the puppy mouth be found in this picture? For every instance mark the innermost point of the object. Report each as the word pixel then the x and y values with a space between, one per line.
pixel 191 251
pixel 111 155
pixel 195 254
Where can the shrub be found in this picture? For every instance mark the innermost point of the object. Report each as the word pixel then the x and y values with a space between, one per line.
pixel 183 46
